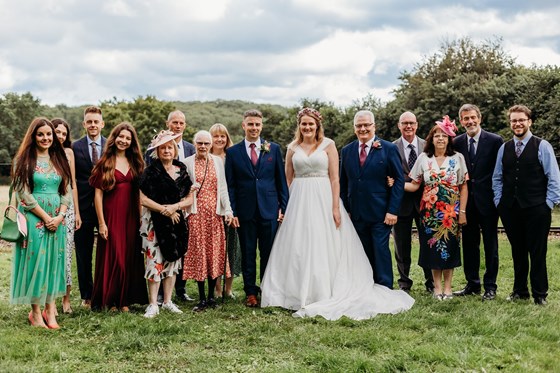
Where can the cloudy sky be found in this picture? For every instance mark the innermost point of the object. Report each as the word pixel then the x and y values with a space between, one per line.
pixel 273 51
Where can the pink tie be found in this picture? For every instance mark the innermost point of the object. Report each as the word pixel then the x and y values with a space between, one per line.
pixel 363 154
pixel 254 157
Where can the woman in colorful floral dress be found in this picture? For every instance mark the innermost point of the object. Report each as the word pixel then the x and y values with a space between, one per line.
pixel 205 257
pixel 444 173
pixel 73 219
pixel 41 177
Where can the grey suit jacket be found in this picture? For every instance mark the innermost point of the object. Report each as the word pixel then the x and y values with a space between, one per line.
pixel 410 201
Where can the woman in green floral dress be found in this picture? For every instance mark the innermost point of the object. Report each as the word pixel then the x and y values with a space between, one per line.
pixel 442 209
pixel 41 177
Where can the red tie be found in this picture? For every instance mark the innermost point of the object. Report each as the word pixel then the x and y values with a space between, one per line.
pixel 363 154
pixel 254 157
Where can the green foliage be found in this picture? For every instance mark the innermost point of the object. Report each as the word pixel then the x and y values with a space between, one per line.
pixel 16 113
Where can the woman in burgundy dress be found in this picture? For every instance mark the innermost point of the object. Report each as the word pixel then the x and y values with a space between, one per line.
pixel 119 265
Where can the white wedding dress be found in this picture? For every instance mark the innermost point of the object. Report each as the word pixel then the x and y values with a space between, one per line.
pixel 315 268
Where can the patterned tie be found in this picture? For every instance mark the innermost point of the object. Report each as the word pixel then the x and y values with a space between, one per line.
pixel 363 154
pixel 518 148
pixel 254 157
pixel 472 153
pixel 94 154
pixel 412 156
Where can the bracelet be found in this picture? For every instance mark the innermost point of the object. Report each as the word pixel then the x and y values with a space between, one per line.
pixel 463 211
pixel 63 214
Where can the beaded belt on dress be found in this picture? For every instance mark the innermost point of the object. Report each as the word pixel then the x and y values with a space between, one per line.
pixel 317 174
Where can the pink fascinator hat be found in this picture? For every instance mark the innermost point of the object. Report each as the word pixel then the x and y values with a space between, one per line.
pixel 447 126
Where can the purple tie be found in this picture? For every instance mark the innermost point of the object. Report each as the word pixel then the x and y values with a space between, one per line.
pixel 94 154
pixel 363 154
pixel 254 157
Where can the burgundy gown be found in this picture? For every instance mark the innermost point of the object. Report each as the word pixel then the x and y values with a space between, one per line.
pixel 119 265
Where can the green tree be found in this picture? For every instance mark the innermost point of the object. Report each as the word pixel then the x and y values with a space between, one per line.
pixel 16 113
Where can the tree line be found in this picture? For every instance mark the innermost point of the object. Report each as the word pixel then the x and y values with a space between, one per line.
pixel 461 71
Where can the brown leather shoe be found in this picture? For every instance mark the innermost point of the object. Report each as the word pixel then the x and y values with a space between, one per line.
pixel 251 301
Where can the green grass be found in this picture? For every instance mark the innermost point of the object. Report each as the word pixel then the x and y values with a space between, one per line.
pixel 461 335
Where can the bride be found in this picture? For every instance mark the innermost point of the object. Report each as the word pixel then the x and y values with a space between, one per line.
pixel 317 265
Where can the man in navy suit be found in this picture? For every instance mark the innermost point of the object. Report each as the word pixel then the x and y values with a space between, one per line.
pixel 373 205
pixel 258 194
pixel 410 146
pixel 87 152
pixel 176 123
pixel 480 149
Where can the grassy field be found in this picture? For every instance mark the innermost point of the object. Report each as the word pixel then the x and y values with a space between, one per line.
pixel 461 335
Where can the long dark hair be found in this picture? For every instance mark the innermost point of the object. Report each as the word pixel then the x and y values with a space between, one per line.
pixel 57 122
pixel 105 167
pixel 430 149
pixel 25 162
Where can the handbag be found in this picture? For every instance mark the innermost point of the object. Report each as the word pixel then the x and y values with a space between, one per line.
pixel 13 230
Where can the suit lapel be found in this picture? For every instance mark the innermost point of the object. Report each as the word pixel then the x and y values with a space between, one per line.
pixel 370 155
pixel 85 152
pixel 400 147
pixel 245 157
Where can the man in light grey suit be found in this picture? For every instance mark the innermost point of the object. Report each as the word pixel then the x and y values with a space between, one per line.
pixel 410 146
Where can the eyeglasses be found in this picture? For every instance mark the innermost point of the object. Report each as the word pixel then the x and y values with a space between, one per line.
pixel 200 143
pixel 520 121
pixel 406 124
pixel 365 125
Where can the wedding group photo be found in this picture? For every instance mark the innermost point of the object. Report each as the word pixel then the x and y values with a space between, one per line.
pixel 203 229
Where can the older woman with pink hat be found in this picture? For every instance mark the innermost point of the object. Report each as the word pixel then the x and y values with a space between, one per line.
pixel 165 190
pixel 444 173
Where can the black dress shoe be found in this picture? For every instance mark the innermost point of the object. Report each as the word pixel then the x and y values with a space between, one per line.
pixel 467 290
pixel 201 306
pixel 489 295
pixel 516 296
pixel 211 303
pixel 541 301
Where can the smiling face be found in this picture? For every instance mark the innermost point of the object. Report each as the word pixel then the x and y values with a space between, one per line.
pixel 519 123
pixel 123 140
pixel 440 139
pixel 93 123
pixel 167 152
pixel 470 120
pixel 252 127
pixel 61 133
pixel 408 126
pixel 43 138
pixel 364 128
pixel 219 141
pixel 308 127
pixel 202 144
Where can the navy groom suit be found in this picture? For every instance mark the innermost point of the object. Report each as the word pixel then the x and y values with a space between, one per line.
pixel 481 211
pixel 366 196
pixel 84 237
pixel 256 195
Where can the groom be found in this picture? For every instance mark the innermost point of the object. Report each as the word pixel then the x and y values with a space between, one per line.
pixel 258 194
pixel 372 205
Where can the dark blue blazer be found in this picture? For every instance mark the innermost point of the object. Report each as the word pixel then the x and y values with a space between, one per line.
pixel 364 190
pixel 83 171
pixel 262 187
pixel 480 169
pixel 188 150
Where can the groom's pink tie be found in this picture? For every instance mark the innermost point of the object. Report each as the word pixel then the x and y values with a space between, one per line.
pixel 254 157
pixel 363 154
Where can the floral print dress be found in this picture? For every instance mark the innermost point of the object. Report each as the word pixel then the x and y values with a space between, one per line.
pixel 39 261
pixel 439 209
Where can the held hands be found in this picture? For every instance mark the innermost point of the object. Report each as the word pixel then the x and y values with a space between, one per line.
pixel 280 216
pixel 103 231
pixel 175 217
pixel 390 219
pixel 53 223
pixel 169 210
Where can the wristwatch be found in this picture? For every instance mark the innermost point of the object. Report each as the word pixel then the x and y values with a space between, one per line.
pixel 63 214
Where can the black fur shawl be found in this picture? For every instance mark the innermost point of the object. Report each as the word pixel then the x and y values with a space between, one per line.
pixel 157 185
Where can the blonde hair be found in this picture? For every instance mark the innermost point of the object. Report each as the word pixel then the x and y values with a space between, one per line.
pixel 220 129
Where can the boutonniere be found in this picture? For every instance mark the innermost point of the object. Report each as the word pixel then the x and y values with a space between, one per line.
pixel 376 144
pixel 265 147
